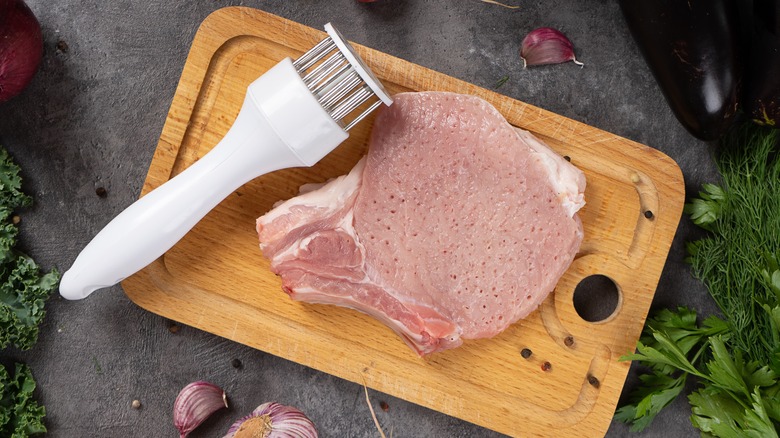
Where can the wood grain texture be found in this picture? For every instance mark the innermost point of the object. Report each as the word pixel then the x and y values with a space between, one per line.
pixel 216 279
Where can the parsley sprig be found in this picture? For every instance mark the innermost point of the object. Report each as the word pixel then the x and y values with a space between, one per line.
pixel 737 397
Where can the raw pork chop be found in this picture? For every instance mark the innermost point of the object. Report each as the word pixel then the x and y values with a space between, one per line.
pixel 454 226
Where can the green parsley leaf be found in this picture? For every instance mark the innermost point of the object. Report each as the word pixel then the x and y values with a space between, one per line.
pixel 716 413
pixel 706 209
pixel 723 370
pixel 657 392
pixel 758 424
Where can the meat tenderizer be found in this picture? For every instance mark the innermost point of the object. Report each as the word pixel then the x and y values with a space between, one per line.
pixel 292 116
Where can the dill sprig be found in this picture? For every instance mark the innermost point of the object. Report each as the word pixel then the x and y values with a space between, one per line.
pixel 738 258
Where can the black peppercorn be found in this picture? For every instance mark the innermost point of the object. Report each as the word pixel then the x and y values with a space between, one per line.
pixel 62 46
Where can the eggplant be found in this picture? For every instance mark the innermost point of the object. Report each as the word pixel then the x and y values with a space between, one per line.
pixel 761 100
pixel 693 50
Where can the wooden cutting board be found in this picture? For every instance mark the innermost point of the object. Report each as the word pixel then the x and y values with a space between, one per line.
pixel 216 279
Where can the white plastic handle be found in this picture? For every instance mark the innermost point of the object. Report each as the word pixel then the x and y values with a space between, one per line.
pixel 280 125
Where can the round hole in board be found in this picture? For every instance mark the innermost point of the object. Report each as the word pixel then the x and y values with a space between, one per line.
pixel 596 298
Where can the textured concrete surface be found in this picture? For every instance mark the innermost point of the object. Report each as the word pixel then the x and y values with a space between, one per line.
pixel 92 117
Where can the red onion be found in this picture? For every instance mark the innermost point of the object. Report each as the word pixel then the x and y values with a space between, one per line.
pixel 21 47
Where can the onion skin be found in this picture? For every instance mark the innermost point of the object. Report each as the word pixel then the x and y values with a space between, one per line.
pixel 21 47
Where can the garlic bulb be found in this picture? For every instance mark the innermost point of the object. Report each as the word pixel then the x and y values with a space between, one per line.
pixel 546 45
pixel 196 402
pixel 273 420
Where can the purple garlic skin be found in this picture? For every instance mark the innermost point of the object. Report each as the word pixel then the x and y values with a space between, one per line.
pixel 273 420
pixel 196 402
pixel 546 45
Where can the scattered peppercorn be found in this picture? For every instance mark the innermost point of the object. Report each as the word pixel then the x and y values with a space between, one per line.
pixel 567 158
pixel 236 363
pixel 648 214
pixel 62 46
pixel 546 366
pixel 526 353
pixel 173 327
pixel 568 341
pixel 594 382
pixel 101 192
pixel 383 404
pixel 136 404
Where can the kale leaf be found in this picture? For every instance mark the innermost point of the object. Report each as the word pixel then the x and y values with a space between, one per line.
pixel 20 415
pixel 23 289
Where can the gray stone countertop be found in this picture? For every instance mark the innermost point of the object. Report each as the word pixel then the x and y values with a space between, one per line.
pixel 92 117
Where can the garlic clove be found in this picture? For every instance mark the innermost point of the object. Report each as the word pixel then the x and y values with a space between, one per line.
pixel 273 420
pixel 546 45
pixel 196 402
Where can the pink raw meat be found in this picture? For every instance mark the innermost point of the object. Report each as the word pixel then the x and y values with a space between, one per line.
pixel 454 226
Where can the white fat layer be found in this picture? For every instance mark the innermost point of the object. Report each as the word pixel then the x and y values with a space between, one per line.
pixel 567 181
pixel 328 198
